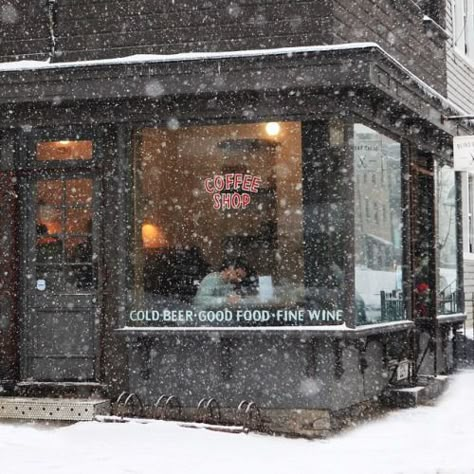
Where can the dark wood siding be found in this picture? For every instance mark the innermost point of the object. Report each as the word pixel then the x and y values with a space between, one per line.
pixel 23 29
pixel 113 28
pixel 97 29
pixel 397 26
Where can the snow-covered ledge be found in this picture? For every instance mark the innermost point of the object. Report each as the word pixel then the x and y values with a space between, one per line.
pixel 25 65
pixel 137 59
pixel 451 318
pixel 339 331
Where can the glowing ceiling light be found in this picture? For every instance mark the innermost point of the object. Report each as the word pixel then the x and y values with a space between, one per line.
pixel 272 128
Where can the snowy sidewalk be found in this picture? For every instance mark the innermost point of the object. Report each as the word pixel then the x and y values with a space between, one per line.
pixel 435 439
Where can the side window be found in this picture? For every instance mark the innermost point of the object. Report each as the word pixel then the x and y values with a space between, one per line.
pixel 463 27
pixel 447 240
pixel 378 242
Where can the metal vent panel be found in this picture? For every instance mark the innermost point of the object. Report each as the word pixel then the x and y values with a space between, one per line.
pixel 65 409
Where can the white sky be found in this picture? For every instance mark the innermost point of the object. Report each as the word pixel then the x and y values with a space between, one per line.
pixel 433 439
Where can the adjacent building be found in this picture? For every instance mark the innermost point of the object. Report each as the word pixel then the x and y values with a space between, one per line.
pixel 460 57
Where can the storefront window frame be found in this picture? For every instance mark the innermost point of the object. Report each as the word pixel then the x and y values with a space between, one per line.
pixel 459 291
pixel 347 300
pixel 406 149
pixel 348 304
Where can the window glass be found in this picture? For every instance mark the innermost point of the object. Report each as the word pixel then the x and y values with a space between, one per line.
pixel 378 243
pixel 64 244
pixel 219 238
pixel 447 238
pixel 64 150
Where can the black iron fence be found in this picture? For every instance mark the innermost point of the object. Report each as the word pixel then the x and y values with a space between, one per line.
pixel 448 299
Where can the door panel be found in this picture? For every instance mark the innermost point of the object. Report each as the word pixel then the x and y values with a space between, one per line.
pixel 45 325
pixel 70 369
pixel 61 269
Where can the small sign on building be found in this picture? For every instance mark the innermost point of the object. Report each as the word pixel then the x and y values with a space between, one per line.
pixel 463 150
pixel 403 370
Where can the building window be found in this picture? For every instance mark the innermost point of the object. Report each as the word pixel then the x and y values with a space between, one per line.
pixel 447 240
pixel 376 213
pixel 463 27
pixel 378 248
pixel 64 150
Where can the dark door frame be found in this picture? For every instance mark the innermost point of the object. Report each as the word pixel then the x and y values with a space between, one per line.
pixel 29 172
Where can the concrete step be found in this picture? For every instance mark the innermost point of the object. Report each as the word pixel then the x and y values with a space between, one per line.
pixel 35 389
pixel 58 409
pixel 428 389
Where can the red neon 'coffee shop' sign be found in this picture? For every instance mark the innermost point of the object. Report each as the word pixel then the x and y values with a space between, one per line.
pixel 232 190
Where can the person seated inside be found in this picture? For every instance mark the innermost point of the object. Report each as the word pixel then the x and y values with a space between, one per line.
pixel 234 282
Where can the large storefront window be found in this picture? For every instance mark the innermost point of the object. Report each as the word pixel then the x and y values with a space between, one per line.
pixel 447 240
pixel 228 231
pixel 378 224
pixel 220 227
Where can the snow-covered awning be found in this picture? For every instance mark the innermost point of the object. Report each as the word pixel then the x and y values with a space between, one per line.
pixel 143 59
pixel 351 65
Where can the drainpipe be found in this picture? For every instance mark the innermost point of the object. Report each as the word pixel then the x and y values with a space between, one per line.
pixel 52 8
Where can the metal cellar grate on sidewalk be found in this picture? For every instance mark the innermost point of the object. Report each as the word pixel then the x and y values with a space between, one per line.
pixel 64 409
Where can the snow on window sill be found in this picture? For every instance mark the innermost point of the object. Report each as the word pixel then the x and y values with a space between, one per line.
pixel 449 318
pixel 340 330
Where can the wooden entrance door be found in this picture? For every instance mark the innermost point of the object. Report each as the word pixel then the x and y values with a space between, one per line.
pixel 60 267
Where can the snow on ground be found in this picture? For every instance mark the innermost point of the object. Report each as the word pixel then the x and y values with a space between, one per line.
pixel 433 439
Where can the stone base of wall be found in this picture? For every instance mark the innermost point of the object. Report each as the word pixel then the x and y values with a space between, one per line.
pixel 294 422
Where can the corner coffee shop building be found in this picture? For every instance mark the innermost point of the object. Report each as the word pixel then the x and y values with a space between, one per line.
pixel 124 183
